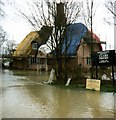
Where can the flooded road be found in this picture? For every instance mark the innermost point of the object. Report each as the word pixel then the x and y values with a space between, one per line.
pixel 24 96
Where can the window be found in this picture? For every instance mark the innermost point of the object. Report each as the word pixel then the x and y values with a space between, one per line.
pixel 88 60
pixel 33 60
pixel 34 46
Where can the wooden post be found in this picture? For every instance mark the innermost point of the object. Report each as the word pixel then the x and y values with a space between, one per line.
pixel 46 65
pixel 96 71
pixel 91 38
pixel 113 82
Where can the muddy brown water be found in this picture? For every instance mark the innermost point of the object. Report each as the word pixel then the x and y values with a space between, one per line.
pixel 24 95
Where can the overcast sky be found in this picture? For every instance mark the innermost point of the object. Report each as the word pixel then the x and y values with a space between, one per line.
pixel 17 28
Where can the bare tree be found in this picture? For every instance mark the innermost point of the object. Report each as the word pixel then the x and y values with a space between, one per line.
pixel 10 47
pixel 3 37
pixel 111 7
pixel 58 16
pixel 89 12
pixel 88 15
pixel 1 8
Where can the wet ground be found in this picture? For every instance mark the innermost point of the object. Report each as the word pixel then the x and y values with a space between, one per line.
pixel 24 95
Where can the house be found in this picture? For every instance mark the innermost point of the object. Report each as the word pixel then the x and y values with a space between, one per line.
pixel 78 39
pixel 29 47
pixel 79 50
pixel 40 62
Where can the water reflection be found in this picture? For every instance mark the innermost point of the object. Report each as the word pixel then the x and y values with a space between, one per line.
pixel 59 102
pixel 24 95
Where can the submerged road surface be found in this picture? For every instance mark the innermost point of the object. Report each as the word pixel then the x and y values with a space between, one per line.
pixel 24 96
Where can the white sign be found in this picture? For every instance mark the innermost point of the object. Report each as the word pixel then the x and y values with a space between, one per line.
pixel 93 84
pixel 103 57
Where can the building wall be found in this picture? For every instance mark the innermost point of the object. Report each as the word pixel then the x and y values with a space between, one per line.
pixel 82 58
pixel 32 67
pixel 40 63
pixel 83 54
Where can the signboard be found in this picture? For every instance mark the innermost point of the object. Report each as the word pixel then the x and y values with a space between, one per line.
pixel 93 84
pixel 104 58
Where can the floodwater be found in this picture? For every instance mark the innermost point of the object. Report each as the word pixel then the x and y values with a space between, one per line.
pixel 25 96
